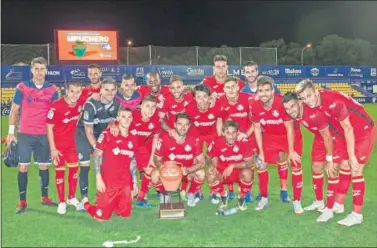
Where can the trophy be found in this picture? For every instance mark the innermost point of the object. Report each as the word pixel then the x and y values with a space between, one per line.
pixel 171 176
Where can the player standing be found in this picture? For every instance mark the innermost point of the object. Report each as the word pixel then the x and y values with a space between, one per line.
pixel 94 75
pixel 154 88
pixel 184 149
pixel 216 82
pixel 231 161
pixel 328 148
pixel 112 160
pixel 146 126
pixel 32 100
pixel 280 136
pixel 97 116
pixel 360 135
pixel 235 106
pixel 61 122
pixel 127 94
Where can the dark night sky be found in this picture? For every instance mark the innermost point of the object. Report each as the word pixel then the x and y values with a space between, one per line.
pixel 190 23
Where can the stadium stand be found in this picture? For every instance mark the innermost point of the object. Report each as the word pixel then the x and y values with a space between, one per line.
pixel 345 88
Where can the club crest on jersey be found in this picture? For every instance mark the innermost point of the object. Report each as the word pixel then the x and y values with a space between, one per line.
pixel 86 115
pixel 188 148
pixel 275 113
pixel 100 138
pixel 240 107
pixel 211 116
pixel 236 149
pixel 171 156
pixel 130 145
pixel 50 114
pixel 150 126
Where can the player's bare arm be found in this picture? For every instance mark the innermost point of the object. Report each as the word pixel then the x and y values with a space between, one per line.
pixel 350 140
pixel 89 131
pixel 327 140
pixel 258 139
pixel 54 152
pixel 219 126
pixel 97 162
pixel 291 142
pixel 199 164
pixel 157 161
pixel 12 122
pixel 165 126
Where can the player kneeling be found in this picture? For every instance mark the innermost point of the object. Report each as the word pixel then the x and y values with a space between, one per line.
pixel 112 162
pixel 185 150
pixel 230 162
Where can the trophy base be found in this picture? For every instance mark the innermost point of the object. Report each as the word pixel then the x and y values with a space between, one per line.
pixel 170 211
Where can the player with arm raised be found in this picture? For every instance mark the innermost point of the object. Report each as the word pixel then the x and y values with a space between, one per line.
pixel 184 149
pixel 32 100
pixel 96 118
pixel 230 162
pixel 61 122
pixel 360 135
pixel 235 106
pixel 112 164
pixel 328 148
pixel 216 82
pixel 281 136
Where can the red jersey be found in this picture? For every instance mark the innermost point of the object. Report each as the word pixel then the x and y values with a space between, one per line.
pixel 172 107
pixel 88 91
pixel 228 154
pixel 165 91
pixel 65 119
pixel 204 122
pixel 339 106
pixel 271 120
pixel 145 130
pixel 238 112
pixel 169 150
pixel 117 156
pixel 315 120
pixel 218 87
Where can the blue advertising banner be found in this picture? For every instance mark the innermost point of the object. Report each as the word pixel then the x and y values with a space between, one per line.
pixel 14 73
pixel 114 71
pixel 315 71
pixel 55 74
pixel 78 72
pixel 336 71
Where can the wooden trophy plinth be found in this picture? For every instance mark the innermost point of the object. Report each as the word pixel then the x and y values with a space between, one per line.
pixel 172 210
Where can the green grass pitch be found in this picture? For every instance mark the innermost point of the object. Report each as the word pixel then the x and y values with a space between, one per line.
pixel 41 226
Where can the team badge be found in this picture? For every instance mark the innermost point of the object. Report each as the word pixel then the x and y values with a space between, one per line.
pixel 275 113
pixel 236 149
pixel 150 126
pixel 187 148
pixel 211 116
pixel 130 145
pixel 100 138
pixel 240 107
pixel 171 157
pixel 50 114
pixel 86 115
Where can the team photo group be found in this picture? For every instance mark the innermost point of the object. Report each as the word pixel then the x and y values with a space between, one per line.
pixel 223 133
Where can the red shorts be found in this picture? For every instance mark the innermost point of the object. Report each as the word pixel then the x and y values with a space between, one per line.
pixel 68 156
pixel 142 158
pixel 274 144
pixel 252 145
pixel 364 146
pixel 116 199
pixel 234 177
pixel 319 151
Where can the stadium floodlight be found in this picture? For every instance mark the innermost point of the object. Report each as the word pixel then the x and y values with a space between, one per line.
pixel 112 243
pixel 309 45
pixel 129 43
